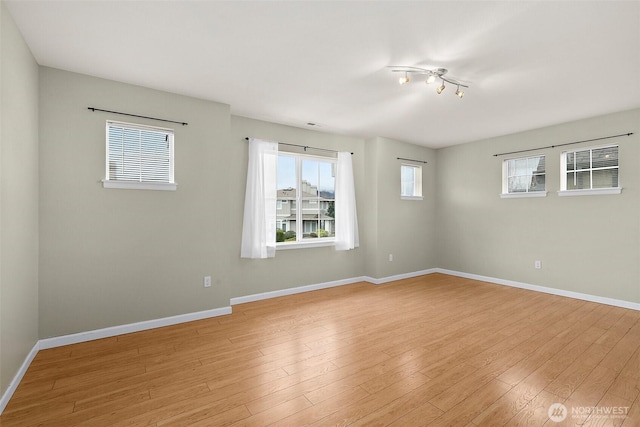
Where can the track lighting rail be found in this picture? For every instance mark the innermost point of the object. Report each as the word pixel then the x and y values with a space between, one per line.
pixel 431 76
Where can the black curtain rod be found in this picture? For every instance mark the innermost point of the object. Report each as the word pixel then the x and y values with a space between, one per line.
pixel 305 147
pixel 562 145
pixel 135 115
pixel 412 160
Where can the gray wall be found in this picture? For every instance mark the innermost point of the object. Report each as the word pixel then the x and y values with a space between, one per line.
pixel 18 200
pixel 403 228
pixel 111 257
pixel 587 244
pixel 289 268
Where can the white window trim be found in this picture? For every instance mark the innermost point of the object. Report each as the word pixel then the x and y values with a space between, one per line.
pixel 589 191
pixel 519 195
pixel 523 195
pixel 139 185
pixel 135 185
pixel 411 197
pixel 314 243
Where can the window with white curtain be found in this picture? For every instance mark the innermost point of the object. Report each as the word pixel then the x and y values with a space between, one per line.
pixel 297 200
pixel 590 171
pixel 139 157
pixel 305 207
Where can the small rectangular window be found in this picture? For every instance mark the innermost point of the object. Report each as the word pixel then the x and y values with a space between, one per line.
pixel 590 171
pixel 524 176
pixel 410 182
pixel 139 157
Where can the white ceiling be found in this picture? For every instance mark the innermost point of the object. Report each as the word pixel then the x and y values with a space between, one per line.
pixel 530 63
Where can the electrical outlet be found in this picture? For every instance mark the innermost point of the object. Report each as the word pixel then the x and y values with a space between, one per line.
pixel 207 281
pixel 390 257
pixel 537 264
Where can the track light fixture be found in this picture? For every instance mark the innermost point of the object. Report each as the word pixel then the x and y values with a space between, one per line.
pixel 432 76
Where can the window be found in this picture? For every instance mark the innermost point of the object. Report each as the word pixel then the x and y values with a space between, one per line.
pixel 305 199
pixel 524 177
pixel 591 171
pixel 139 157
pixel 410 182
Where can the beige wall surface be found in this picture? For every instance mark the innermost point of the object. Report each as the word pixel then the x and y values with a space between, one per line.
pixel 295 267
pixel 112 257
pixel 18 200
pixel 402 228
pixel 587 244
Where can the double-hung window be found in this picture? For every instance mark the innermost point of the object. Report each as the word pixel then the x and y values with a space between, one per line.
pixel 410 182
pixel 590 171
pixel 139 157
pixel 305 199
pixel 524 177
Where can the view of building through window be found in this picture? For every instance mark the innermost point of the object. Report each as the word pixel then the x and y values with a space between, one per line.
pixel 305 198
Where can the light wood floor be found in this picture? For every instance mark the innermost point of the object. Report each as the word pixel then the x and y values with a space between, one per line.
pixel 434 350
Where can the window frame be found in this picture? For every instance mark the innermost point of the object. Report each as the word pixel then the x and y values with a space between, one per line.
pixel 587 191
pixel 299 206
pixel 417 182
pixel 521 194
pixel 169 185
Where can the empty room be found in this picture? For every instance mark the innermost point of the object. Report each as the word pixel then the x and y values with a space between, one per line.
pixel 291 213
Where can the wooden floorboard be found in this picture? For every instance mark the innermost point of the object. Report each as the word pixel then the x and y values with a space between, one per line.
pixel 434 350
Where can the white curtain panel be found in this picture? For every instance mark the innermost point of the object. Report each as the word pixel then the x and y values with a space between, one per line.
pixel 345 209
pixel 259 222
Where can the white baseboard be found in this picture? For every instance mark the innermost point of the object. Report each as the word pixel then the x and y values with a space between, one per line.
pixel 560 292
pixel 13 385
pixel 399 276
pixel 324 285
pixel 131 327
pixel 297 290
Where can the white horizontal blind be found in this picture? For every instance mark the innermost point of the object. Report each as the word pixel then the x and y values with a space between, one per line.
pixel 591 169
pixel 138 153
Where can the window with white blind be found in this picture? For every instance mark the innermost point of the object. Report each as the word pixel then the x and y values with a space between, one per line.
pixel 139 157
pixel 524 177
pixel 410 182
pixel 590 171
